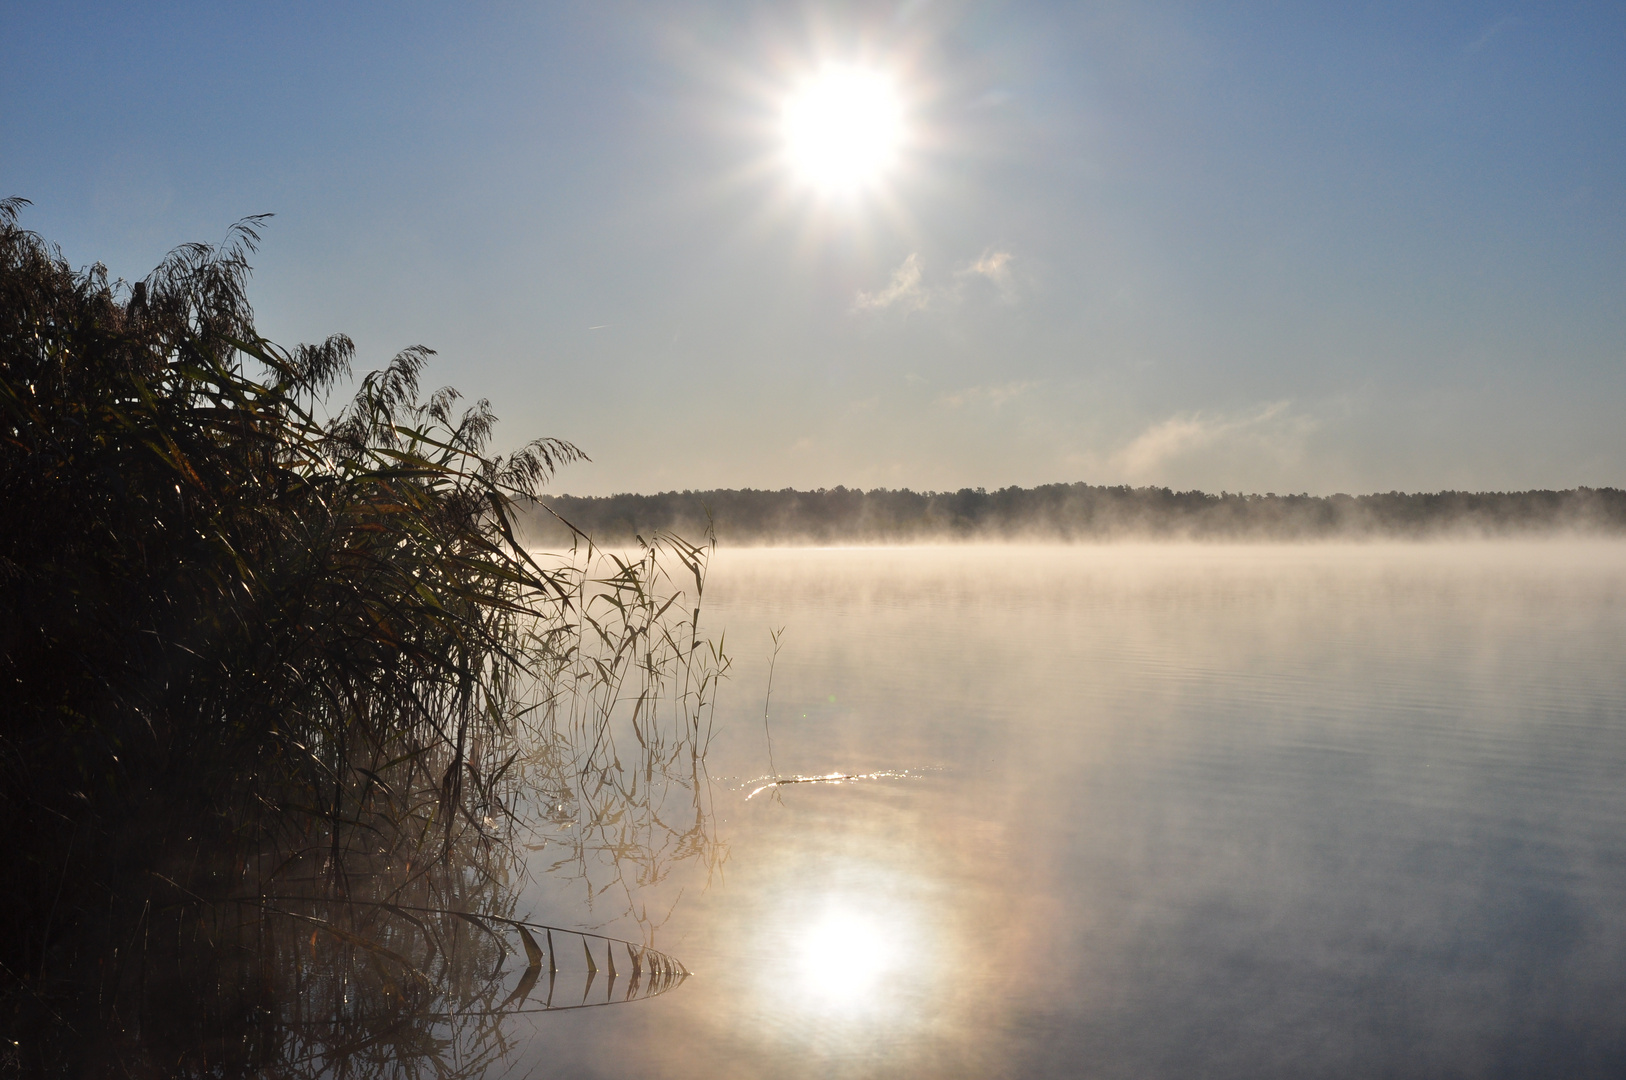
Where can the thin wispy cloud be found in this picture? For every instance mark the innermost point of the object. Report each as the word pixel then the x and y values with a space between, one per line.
pixel 1490 32
pixel 993 266
pixel 992 396
pixel 1271 431
pixel 908 290
pixel 905 292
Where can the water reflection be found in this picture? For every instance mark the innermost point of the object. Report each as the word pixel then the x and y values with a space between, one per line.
pixel 769 783
pixel 313 987
pixel 845 953
pixel 1239 813
pixel 1231 813
pixel 368 965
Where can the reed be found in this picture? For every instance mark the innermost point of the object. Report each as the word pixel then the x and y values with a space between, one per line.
pixel 252 645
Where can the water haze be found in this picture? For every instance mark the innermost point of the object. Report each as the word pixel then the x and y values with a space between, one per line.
pixel 1152 810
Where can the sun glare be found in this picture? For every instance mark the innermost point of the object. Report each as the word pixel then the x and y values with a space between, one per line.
pixel 844 129
pixel 843 955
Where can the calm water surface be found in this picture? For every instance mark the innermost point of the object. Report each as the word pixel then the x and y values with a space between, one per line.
pixel 1168 811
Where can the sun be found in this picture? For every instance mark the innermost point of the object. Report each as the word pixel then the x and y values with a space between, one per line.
pixel 844 129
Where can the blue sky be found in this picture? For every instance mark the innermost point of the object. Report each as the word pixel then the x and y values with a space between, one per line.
pixel 1258 247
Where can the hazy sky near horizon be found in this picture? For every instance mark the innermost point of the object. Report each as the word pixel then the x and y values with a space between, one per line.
pixel 1249 247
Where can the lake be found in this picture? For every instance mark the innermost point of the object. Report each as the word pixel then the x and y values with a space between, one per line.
pixel 1160 810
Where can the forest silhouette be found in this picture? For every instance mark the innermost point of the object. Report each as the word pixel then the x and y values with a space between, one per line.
pixel 1078 512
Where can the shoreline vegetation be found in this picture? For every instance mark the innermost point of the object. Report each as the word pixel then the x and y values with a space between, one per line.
pixel 1075 513
pixel 288 701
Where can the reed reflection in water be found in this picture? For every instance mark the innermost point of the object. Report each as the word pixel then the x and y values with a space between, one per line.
pixel 1168 811
pixel 371 966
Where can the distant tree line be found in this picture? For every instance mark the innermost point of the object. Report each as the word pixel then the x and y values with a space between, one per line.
pixel 1072 512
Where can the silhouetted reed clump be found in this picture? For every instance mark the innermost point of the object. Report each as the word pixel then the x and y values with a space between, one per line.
pixel 1082 512
pixel 259 656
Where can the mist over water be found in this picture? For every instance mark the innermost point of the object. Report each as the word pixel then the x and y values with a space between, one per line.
pixel 1069 513
pixel 1166 810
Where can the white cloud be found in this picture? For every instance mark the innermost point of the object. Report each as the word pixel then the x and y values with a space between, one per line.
pixel 904 292
pixel 1270 432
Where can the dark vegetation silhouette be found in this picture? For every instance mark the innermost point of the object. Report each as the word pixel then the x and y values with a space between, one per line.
pixel 1078 512
pixel 283 692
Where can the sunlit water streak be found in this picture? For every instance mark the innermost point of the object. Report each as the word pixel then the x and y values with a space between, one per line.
pixel 1172 811
pixel 769 783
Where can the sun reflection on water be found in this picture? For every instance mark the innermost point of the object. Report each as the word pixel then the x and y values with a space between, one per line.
pixel 859 959
pixel 844 956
